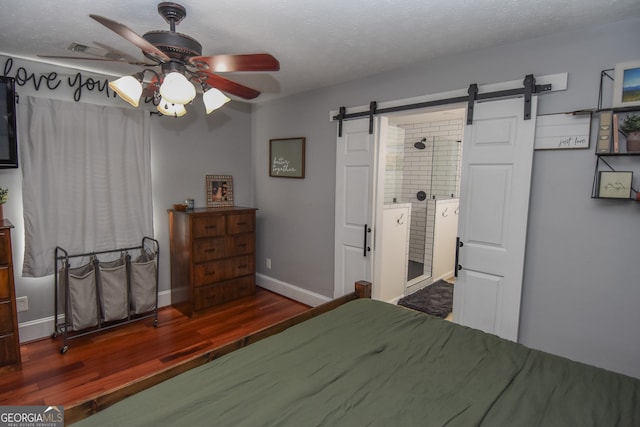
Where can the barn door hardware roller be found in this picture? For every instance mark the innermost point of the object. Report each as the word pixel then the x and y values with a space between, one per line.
pixel 528 89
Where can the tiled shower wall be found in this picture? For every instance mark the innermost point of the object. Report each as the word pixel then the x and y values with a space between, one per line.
pixel 394 164
pixel 434 170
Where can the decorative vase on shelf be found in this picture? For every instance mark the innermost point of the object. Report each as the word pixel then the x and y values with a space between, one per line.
pixel 633 142
pixel 4 195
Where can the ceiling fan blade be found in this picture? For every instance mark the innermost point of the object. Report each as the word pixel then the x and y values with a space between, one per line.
pixel 127 33
pixel 249 62
pixel 229 86
pixel 114 53
pixel 96 59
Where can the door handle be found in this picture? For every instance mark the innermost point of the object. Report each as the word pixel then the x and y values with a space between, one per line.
pixel 366 248
pixel 458 267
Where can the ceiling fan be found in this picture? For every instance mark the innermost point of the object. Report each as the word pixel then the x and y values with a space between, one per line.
pixel 181 62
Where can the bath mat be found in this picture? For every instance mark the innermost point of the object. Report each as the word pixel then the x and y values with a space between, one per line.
pixel 435 299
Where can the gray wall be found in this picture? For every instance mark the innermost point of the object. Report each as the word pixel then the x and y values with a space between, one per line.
pixel 580 291
pixel 184 150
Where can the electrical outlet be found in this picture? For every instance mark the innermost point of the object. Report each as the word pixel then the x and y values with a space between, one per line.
pixel 269 263
pixel 22 304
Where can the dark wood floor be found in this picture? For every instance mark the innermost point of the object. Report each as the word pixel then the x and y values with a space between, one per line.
pixel 109 360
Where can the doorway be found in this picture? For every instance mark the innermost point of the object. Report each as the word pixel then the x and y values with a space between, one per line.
pixel 422 168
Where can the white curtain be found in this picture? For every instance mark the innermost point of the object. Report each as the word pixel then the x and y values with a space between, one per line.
pixel 86 179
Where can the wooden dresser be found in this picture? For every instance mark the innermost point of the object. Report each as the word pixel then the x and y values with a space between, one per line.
pixel 212 257
pixel 9 339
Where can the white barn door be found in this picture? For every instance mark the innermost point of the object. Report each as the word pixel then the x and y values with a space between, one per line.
pixel 494 205
pixel 355 165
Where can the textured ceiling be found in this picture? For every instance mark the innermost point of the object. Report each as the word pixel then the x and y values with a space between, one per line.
pixel 318 42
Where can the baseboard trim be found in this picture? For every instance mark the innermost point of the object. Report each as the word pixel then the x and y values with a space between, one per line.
pixel 290 291
pixel 43 328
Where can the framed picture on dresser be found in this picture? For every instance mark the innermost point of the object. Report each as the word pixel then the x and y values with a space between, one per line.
pixel 219 190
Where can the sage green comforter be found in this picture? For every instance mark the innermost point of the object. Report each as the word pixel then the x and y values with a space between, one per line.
pixel 369 363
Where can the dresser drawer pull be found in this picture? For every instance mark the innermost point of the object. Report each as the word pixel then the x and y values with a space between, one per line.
pixel 241 223
pixel 242 266
pixel 209 250
pixel 211 273
pixel 207 227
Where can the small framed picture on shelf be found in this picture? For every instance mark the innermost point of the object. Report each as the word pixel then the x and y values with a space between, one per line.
pixel 626 84
pixel 219 190
pixel 615 185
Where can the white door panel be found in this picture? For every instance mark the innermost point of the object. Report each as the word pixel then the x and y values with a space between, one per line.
pixel 487 294
pixel 356 266
pixel 355 153
pixel 357 194
pixel 494 204
pixel 486 208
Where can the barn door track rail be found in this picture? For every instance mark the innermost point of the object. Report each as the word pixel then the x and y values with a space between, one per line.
pixel 528 89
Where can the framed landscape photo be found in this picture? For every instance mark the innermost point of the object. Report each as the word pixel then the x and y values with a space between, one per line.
pixel 286 157
pixel 615 185
pixel 626 85
pixel 219 190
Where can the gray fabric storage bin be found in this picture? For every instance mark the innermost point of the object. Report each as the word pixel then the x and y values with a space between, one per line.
pixel 82 297
pixel 113 289
pixel 143 283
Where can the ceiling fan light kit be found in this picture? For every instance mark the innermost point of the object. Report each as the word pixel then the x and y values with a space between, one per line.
pixel 183 67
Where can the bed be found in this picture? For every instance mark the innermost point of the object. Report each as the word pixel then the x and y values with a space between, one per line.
pixel 367 362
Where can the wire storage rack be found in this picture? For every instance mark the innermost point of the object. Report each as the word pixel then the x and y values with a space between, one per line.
pixel 99 294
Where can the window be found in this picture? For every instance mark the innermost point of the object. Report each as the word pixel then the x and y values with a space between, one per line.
pixel 86 179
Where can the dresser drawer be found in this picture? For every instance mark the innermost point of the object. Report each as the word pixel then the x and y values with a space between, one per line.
pixel 214 271
pixel 219 293
pixel 6 318
pixel 5 283
pixel 240 223
pixel 240 266
pixel 9 350
pixel 208 249
pixel 5 247
pixel 241 244
pixel 208 226
pixel 204 274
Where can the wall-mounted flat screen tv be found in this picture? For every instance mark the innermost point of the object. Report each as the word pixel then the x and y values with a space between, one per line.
pixel 8 131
